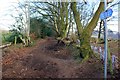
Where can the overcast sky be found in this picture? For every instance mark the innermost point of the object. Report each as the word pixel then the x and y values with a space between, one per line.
pixel 6 20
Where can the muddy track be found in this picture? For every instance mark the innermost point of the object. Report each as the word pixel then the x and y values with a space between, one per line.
pixel 48 60
pixel 64 67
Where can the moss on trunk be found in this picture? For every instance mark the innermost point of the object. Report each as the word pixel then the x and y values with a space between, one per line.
pixel 85 34
pixel 77 18
pixel 85 47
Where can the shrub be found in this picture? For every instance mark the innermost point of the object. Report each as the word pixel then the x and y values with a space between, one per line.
pixel 40 28
pixel 11 37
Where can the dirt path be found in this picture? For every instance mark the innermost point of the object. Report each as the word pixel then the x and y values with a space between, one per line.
pixel 48 60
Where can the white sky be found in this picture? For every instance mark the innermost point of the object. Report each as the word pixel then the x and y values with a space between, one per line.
pixel 6 20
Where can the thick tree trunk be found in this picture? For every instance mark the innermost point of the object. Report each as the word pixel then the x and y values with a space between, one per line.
pixel 85 34
pixel 85 47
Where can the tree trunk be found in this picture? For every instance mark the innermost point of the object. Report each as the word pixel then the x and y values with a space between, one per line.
pixel 100 30
pixel 85 34
pixel 66 19
pixel 70 23
pixel 77 18
pixel 85 47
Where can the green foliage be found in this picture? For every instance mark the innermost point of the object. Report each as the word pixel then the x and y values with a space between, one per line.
pixel 11 37
pixel 16 30
pixel 5 36
pixel 46 32
pixel 40 27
